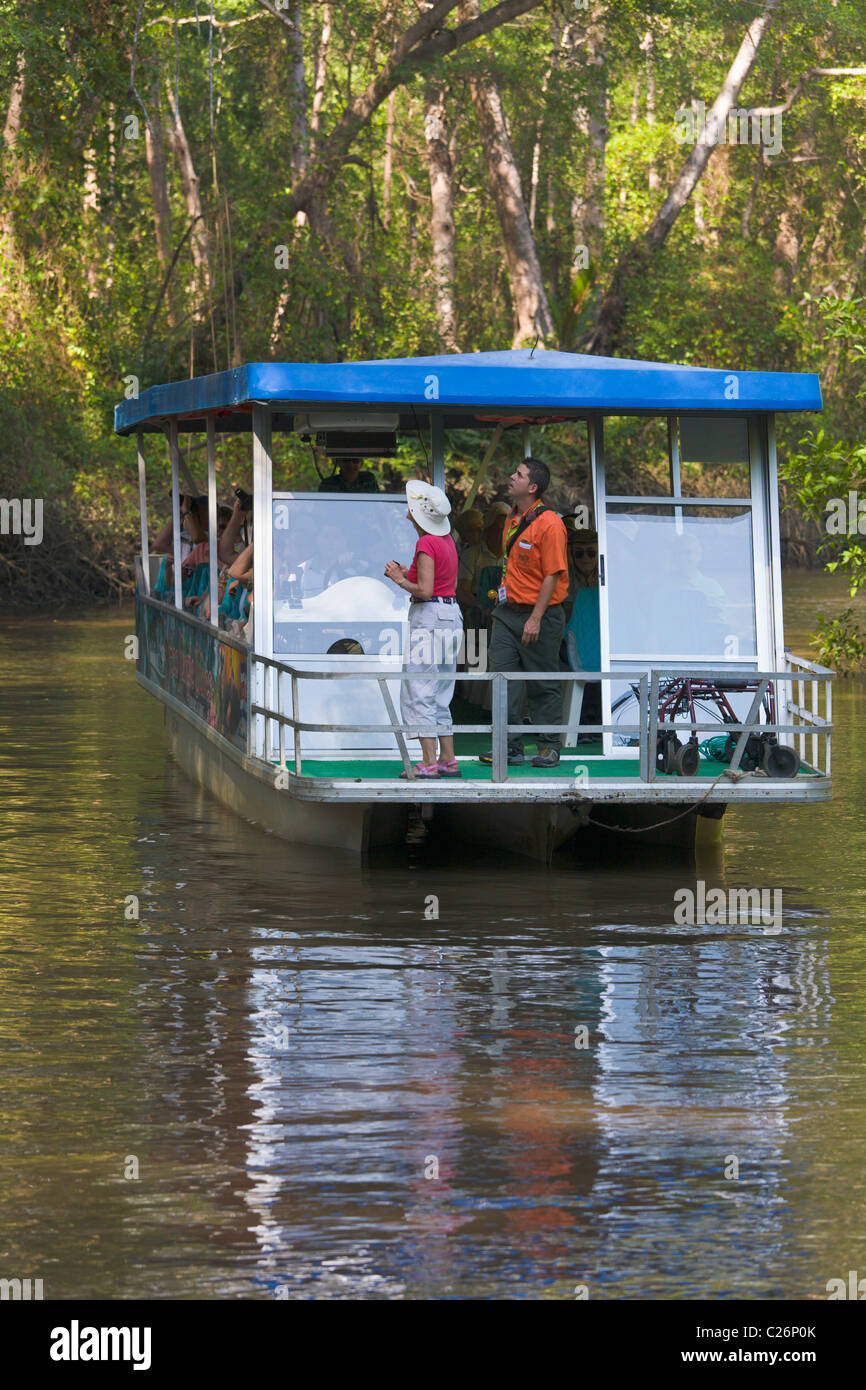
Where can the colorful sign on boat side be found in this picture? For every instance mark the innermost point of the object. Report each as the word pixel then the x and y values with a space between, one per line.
pixel 196 667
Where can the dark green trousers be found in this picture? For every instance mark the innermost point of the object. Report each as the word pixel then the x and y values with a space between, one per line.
pixel 508 653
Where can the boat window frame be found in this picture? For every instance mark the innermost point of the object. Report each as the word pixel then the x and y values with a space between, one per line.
pixel 766 560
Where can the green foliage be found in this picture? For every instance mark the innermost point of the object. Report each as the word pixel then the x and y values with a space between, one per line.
pixel 841 644
pixel 829 472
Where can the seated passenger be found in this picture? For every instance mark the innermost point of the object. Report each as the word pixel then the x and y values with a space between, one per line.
pixel 242 564
pixel 193 532
pixel 236 607
pixel 196 564
pixel 469 526
pixel 582 551
pixel 348 476
pixel 199 553
pixel 192 529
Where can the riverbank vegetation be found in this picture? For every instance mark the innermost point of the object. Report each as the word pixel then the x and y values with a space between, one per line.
pixel 186 187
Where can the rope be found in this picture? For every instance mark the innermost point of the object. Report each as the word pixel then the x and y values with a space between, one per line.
pixel 642 829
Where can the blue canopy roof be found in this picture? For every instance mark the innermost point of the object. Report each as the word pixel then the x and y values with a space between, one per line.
pixel 527 379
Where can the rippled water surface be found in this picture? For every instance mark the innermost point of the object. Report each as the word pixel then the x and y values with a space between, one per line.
pixel 286 1051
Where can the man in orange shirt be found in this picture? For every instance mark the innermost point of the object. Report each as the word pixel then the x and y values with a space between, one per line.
pixel 529 619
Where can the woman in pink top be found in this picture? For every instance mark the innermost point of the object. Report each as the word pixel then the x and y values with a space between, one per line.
pixel 435 629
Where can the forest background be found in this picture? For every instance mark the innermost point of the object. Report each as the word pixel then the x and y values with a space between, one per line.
pixel 188 186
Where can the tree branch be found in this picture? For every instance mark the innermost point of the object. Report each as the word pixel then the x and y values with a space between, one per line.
pixel 277 14
pixel 420 44
pixel 811 72
pixel 604 337
pixel 202 20
pixel 148 330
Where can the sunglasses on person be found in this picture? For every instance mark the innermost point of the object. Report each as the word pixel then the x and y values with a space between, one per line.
pixel 578 551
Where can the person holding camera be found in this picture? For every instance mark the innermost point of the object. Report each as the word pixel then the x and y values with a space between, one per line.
pixel 236 535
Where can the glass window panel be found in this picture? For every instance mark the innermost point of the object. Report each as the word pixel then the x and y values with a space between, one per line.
pixel 714 439
pixel 636 458
pixel 714 456
pixel 680 586
pixel 329 584
pixel 334 610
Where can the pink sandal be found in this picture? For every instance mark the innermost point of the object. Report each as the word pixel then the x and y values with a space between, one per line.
pixel 451 769
pixel 422 770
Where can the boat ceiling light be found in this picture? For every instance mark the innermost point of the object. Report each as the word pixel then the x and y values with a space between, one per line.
pixel 320 420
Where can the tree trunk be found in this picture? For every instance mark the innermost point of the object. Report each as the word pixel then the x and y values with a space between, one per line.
pixel 90 211
pixel 532 314
pixel 154 147
pixel 413 202
pixel 589 214
pixel 10 260
pixel 192 197
pixel 304 139
pixel 389 161
pixel 442 216
pixel 297 93
pixel 11 131
pixel 605 337
pixel 536 148
pixel 12 124
pixel 321 73
pixel 648 45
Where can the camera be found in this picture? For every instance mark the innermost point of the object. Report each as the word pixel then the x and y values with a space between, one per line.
pixel 245 499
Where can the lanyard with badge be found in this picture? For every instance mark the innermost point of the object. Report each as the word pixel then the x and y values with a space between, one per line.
pixel 517 527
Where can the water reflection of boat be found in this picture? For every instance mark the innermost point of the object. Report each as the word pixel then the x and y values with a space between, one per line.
pixel 300 732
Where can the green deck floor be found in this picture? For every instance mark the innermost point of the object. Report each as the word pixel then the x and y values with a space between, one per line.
pixel 468 746
pixel 370 769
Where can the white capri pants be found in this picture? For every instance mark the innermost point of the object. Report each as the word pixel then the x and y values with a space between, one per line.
pixel 435 633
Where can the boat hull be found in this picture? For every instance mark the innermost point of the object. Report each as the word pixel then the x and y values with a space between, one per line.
pixel 243 789
pixel 538 832
pixel 528 830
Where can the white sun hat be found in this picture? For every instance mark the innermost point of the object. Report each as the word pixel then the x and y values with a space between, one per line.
pixel 429 506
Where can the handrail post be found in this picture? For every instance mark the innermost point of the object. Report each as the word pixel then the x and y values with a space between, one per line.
pixel 643 730
pixel 652 724
pixel 142 503
pixel 296 733
pixel 280 725
pixel 175 513
pixel 213 545
pixel 251 685
pixel 499 711
pixel 274 703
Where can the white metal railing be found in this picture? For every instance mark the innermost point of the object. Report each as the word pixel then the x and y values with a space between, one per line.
pixel 804 706
pixel 797 692
pixel 276 707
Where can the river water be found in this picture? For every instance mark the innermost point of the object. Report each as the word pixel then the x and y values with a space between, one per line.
pixel 282 1079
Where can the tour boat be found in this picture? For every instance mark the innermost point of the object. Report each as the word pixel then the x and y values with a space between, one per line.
pixel 702 706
